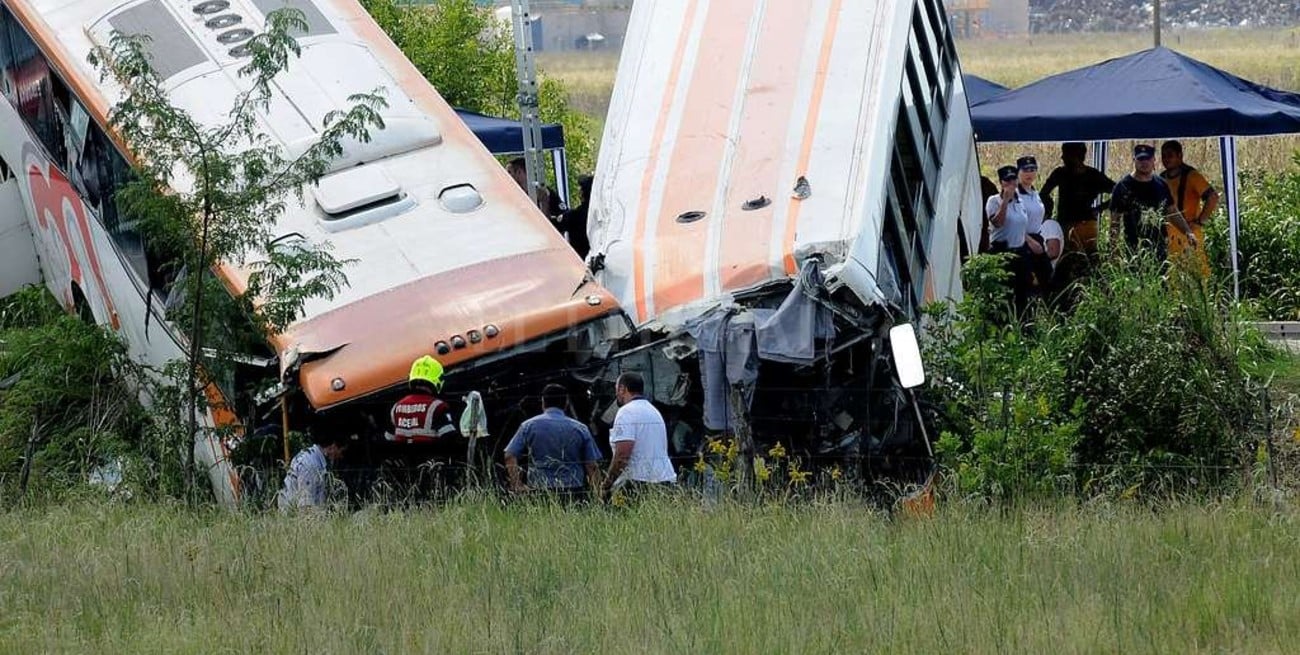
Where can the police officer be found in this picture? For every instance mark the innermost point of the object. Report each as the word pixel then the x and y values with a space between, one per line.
pixel 1010 224
pixel 1038 260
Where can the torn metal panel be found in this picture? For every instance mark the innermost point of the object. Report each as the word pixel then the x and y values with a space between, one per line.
pixel 799 331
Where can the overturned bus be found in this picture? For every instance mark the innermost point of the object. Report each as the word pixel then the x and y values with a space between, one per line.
pixel 447 255
pixel 779 184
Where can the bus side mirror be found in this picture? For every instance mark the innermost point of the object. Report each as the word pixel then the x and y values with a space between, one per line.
pixel 907 356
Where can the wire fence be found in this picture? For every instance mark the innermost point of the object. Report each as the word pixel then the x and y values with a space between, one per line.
pixel 871 478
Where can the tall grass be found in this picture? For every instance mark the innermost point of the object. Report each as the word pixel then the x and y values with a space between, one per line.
pixel 671 577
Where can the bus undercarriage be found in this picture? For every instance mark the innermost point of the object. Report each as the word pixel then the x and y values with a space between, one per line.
pixel 789 363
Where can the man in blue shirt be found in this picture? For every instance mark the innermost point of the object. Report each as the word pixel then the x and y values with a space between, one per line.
pixel 307 482
pixel 562 455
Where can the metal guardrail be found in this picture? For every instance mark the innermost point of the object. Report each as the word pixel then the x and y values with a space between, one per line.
pixel 1280 329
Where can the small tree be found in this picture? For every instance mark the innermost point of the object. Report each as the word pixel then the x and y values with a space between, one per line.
pixel 468 55
pixel 211 194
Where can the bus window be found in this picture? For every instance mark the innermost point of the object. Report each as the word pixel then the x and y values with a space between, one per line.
pixel 6 57
pixel 38 91
pixel 81 149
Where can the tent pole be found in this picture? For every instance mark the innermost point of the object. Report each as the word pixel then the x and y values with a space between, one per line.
pixel 1157 22
pixel 1100 155
pixel 529 116
pixel 1228 155
pixel 560 161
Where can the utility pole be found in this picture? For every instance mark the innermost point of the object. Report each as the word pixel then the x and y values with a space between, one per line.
pixel 1157 22
pixel 526 71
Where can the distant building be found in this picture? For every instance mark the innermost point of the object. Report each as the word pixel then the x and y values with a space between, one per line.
pixel 973 18
pixel 576 24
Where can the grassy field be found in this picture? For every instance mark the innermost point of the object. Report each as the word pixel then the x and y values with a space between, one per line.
pixel 825 578
pixel 1270 57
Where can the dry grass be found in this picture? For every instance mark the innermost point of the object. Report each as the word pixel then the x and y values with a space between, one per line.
pixel 589 77
pixel 1270 57
pixel 476 578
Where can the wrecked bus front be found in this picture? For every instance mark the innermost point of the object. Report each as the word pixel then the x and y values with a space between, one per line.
pixel 779 183
pixel 442 248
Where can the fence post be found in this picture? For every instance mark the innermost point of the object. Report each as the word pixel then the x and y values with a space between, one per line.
pixel 28 452
pixel 745 441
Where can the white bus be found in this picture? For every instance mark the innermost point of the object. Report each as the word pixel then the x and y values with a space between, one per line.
pixel 451 257
pixel 779 182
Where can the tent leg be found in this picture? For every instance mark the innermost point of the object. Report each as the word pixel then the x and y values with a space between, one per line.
pixel 1099 155
pixel 1228 154
pixel 560 161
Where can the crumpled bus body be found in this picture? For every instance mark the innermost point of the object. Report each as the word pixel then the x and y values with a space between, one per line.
pixel 779 182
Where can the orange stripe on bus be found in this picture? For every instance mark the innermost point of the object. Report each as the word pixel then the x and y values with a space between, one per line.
pixel 756 171
pixel 652 164
pixel 810 126
pixel 695 169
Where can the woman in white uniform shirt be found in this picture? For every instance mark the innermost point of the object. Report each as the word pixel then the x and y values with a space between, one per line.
pixel 1009 223
pixel 1039 262
pixel 1026 175
pixel 1006 215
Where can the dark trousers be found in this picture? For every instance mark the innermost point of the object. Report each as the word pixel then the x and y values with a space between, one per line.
pixel 1021 269
pixel 563 496
pixel 1040 268
pixel 634 491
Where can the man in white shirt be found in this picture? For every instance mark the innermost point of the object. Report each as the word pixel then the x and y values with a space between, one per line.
pixel 1050 283
pixel 1053 240
pixel 307 483
pixel 639 440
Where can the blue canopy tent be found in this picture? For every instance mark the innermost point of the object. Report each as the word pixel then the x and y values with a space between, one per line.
pixel 979 89
pixel 1153 94
pixel 503 136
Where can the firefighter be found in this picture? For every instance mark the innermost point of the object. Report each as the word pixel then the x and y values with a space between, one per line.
pixel 420 417
pixel 429 447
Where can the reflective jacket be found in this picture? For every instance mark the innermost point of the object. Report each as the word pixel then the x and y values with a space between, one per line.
pixel 422 418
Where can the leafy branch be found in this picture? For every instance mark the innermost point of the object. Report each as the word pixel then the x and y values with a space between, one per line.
pixel 204 195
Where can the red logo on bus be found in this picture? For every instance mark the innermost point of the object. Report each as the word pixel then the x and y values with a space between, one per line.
pixel 57 205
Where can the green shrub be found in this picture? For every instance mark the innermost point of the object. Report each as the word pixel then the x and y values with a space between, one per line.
pixel 1268 243
pixel 1158 362
pixel 1140 387
pixel 67 404
pixel 469 57
pixel 30 307
pixel 1008 427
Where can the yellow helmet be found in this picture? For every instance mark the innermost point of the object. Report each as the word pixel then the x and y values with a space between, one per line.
pixel 427 369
